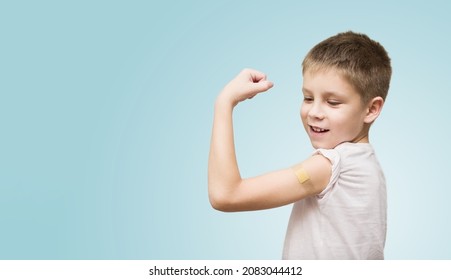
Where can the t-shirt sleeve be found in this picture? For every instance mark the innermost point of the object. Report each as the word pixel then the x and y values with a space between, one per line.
pixel 334 157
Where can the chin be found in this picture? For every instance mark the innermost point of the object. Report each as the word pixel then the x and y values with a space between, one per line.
pixel 322 146
pixel 318 146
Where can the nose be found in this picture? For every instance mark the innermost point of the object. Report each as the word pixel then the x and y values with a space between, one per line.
pixel 315 111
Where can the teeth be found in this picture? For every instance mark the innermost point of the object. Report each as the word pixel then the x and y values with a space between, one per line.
pixel 317 129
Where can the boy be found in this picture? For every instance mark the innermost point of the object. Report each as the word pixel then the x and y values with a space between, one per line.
pixel 339 192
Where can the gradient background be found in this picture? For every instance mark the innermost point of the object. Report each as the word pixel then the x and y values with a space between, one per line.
pixel 106 112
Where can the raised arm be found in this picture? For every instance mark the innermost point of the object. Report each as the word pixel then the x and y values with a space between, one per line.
pixel 227 190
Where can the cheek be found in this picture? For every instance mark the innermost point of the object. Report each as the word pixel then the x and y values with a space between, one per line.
pixel 304 112
pixel 350 123
pixel 304 117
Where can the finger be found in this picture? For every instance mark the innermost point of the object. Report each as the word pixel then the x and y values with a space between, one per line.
pixel 254 76
pixel 258 76
pixel 267 84
pixel 262 86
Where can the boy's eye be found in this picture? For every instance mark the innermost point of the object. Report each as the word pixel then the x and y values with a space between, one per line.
pixel 308 99
pixel 333 102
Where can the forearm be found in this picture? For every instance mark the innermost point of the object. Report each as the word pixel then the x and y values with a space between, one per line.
pixel 223 172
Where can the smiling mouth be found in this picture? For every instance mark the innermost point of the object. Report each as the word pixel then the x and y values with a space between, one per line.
pixel 318 129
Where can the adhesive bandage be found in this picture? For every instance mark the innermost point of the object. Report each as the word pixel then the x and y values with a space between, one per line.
pixel 301 174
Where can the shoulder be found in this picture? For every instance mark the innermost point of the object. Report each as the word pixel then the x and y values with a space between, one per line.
pixel 314 173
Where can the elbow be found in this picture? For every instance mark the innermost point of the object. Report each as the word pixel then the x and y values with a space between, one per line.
pixel 219 203
pixel 222 202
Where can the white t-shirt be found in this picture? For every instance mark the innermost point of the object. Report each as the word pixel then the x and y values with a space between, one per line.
pixel 348 219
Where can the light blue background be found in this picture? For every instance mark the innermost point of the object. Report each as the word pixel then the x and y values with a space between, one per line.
pixel 106 111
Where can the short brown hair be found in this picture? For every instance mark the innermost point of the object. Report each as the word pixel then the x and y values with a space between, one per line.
pixel 361 60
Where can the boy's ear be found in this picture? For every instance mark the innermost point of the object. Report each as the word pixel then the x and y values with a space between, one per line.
pixel 374 108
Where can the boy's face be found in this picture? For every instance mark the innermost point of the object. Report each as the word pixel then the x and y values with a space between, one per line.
pixel 332 111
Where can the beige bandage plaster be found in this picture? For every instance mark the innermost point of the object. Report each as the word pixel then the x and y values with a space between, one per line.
pixel 301 174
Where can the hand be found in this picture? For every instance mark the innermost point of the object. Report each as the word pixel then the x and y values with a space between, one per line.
pixel 246 85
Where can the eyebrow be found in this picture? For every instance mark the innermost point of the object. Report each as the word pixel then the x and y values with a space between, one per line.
pixel 304 90
pixel 334 93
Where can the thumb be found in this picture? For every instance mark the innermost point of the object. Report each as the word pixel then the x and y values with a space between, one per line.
pixel 262 86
